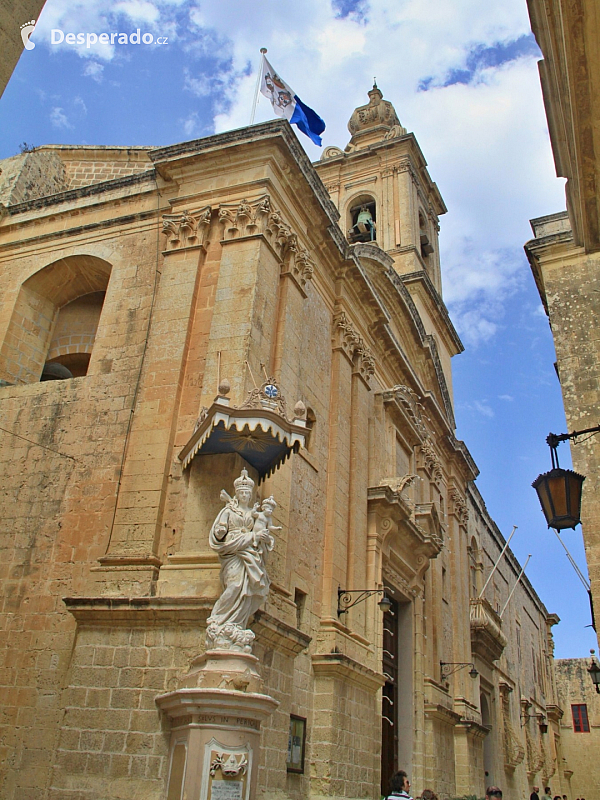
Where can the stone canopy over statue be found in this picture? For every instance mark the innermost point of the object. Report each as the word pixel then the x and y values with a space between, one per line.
pixel 241 535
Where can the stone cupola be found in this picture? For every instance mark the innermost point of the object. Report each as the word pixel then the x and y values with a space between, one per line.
pixel 373 122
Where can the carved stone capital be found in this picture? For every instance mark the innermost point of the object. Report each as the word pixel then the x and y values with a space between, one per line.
pixel 459 506
pixel 260 218
pixel 347 339
pixel 408 401
pixel 187 229
pixel 431 461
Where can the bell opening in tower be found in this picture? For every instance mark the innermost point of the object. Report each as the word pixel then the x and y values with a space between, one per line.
pixel 363 222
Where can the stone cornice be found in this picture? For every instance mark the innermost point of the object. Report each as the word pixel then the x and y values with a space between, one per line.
pixel 244 219
pixel 426 340
pixel 346 339
pixel 83 191
pixel 341 667
pixel 128 219
pixel 435 298
pixel 281 129
pixel 142 611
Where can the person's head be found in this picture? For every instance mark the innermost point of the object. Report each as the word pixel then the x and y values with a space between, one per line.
pixel 564 797
pixel 493 792
pixel 536 788
pixel 399 782
pixel 557 797
pixel 428 794
pixel 547 790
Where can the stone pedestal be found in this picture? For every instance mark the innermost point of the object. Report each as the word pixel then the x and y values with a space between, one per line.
pixel 216 716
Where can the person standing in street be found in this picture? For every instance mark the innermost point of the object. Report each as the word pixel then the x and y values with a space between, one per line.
pixel 535 794
pixel 400 786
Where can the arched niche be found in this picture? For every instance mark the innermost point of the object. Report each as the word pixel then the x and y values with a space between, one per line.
pixel 51 309
pixel 358 225
pixel 425 238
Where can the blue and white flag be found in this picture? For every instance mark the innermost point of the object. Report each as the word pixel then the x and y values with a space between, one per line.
pixel 286 103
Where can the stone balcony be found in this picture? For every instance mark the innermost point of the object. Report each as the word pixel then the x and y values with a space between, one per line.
pixel 487 639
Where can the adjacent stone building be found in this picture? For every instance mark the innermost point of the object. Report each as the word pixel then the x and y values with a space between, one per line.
pixel 565 252
pixel 170 316
pixel 580 728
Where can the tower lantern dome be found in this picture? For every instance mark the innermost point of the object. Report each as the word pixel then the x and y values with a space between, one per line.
pixel 375 121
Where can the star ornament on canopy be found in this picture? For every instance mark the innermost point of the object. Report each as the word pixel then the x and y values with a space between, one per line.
pixel 259 430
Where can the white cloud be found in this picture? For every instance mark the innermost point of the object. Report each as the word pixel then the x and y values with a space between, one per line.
pixel 486 141
pixel 137 10
pixel 480 407
pixel 93 69
pixel 190 125
pixel 59 119
pixel 507 397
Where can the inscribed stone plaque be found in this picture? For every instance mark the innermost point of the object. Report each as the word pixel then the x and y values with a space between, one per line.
pixel 226 790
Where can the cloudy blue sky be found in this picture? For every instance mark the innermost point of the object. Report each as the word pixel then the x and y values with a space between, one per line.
pixel 462 75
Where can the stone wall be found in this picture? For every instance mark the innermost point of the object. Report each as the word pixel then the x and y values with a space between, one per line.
pixel 568 280
pixel 580 749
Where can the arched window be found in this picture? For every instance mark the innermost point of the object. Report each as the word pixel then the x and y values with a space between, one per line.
pixel 55 319
pixel 362 220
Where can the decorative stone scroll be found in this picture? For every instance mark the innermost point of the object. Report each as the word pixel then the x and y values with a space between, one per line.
pixel 514 752
pixel 431 461
pixel 187 229
pixel 346 338
pixel 260 218
pixel 267 396
pixel 409 401
pixel 459 506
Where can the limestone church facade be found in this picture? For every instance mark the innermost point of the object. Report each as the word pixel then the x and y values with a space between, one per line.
pixel 171 316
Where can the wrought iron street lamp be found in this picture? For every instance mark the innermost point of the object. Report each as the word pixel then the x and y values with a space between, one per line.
pixel 559 493
pixel 448 668
pixel 594 670
pixel 559 490
pixel 345 600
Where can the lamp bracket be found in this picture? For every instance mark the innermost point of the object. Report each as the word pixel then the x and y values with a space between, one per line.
pixel 554 439
pixel 346 602
pixel 448 668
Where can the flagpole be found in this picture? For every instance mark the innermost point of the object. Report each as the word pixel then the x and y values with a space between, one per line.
pixel 515 586
pixel 263 50
pixel 504 549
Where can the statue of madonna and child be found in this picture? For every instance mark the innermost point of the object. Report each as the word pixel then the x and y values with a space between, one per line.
pixel 241 535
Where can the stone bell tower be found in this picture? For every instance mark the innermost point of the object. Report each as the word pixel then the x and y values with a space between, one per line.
pixel 387 200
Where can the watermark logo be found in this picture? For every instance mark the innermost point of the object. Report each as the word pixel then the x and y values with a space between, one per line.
pixel 26 31
pixel 88 39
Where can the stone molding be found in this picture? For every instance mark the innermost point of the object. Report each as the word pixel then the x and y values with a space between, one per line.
pixel 514 752
pixel 187 228
pixel 459 506
pixel 397 581
pixel 258 218
pixel 487 639
pixel 347 340
pixel 409 403
pixel 431 461
pixel 194 611
pixel 343 668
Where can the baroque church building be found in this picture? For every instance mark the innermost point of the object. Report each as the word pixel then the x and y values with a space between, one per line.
pixel 171 317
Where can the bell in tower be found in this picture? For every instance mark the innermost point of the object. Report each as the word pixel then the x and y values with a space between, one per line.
pixel 364 228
